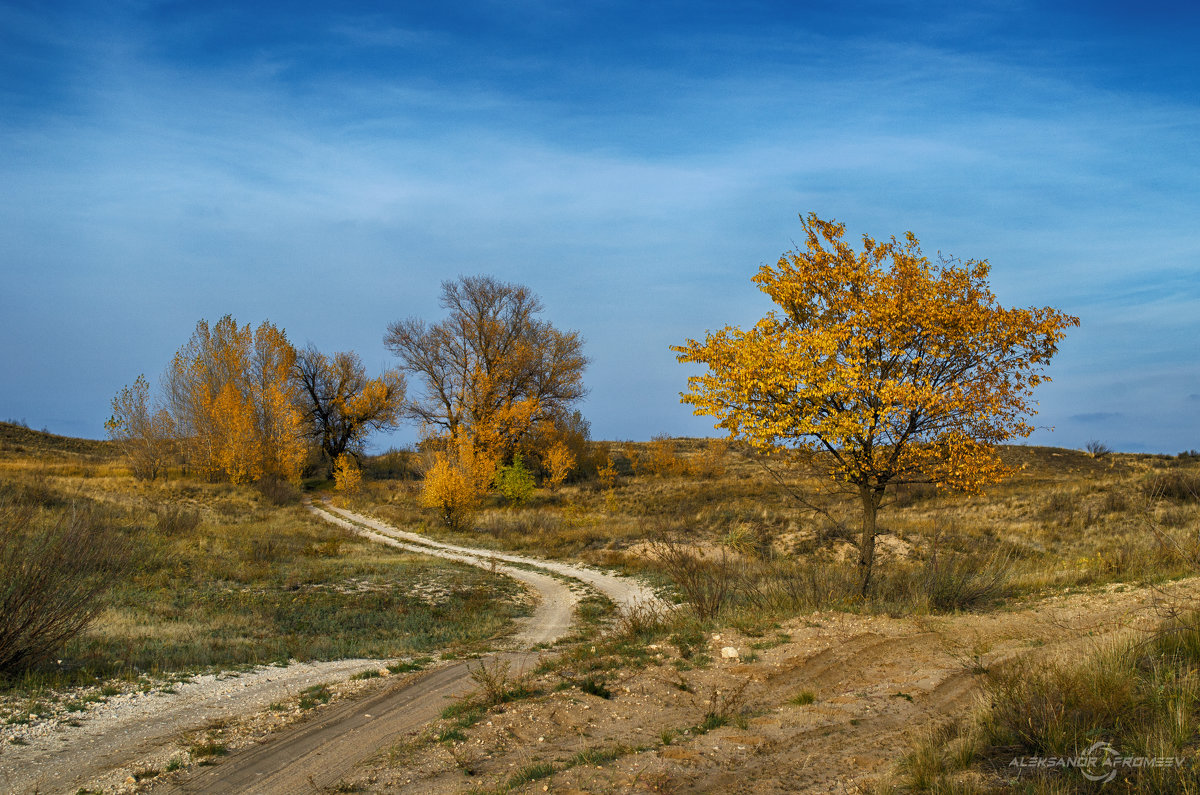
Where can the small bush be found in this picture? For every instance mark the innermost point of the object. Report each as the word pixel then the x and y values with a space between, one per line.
pixel 347 477
pixel 515 482
pixel 803 698
pixel 53 579
pixel 495 686
pixel 596 687
pixel 955 581
pixel 706 585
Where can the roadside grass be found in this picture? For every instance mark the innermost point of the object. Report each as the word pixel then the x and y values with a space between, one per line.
pixel 222 576
pixel 1065 520
pixel 1138 699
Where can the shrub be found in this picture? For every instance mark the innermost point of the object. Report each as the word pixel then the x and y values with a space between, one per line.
pixel 559 463
pixel 456 481
pixel 53 579
pixel 515 482
pixel 347 477
pixel 956 581
pixel 706 585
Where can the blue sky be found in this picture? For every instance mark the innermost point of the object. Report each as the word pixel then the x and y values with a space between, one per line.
pixel 326 167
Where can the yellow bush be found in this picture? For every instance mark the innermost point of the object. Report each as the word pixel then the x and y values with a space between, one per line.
pixel 347 477
pixel 457 481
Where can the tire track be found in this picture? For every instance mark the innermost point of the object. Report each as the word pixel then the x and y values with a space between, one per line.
pixel 317 755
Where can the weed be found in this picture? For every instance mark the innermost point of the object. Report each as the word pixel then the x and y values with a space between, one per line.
pixel 494 684
pixel 803 698
pixel 310 697
pixel 706 585
pixel 409 666
pixel 208 748
pixel 451 735
pixel 596 687
pixel 371 673
pixel 598 756
pixel 529 773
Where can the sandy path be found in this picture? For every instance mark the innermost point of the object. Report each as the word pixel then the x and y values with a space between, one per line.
pixel 143 730
pixel 624 591
pixel 318 754
pixel 134 731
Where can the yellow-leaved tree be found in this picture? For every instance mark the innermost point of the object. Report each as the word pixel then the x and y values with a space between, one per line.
pixel 347 477
pixel 458 480
pixel 491 370
pixel 559 461
pixel 340 404
pixel 233 402
pixel 882 366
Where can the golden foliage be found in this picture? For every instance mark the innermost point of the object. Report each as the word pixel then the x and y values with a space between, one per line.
pixel 608 473
pixel 887 366
pixel 347 477
pixel 660 459
pixel 341 405
pixel 458 480
pixel 232 402
pixel 559 461
pixel 491 370
pixel 893 366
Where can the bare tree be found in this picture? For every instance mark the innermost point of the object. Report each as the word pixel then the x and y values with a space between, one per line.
pixel 491 366
pixel 143 431
pixel 341 405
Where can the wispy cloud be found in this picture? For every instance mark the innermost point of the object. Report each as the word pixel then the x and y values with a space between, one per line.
pixel 636 178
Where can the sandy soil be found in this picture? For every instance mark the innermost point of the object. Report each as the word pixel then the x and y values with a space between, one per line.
pixel 878 682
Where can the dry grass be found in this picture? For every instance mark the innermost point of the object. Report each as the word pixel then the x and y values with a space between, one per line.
pixel 1142 699
pixel 224 576
pixel 1066 520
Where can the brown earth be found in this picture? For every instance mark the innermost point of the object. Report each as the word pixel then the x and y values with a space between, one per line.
pixel 878 684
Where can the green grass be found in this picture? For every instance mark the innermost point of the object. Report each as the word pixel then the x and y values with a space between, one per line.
pixel 529 773
pixel 243 581
pixel 803 698
pixel 310 697
pixel 208 748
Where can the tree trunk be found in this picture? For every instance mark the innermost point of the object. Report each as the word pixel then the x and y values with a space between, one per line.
pixel 871 497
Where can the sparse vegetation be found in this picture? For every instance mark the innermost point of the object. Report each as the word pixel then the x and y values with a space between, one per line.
pixel 1136 700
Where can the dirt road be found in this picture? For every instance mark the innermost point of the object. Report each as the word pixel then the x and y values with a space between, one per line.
pixel 114 740
pixel 874 683
pixel 321 753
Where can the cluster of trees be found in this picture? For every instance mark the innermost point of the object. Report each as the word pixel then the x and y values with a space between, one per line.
pixel 878 365
pixel 498 384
